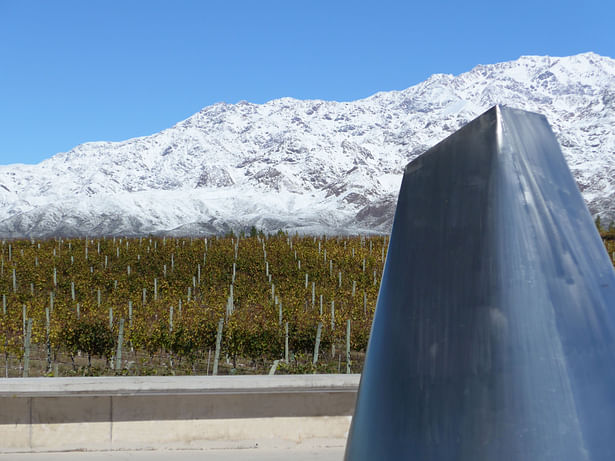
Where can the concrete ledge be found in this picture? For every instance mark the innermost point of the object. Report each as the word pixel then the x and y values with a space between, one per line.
pixel 50 414
pixel 129 385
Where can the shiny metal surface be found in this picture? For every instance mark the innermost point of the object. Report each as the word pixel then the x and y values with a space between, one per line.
pixel 493 338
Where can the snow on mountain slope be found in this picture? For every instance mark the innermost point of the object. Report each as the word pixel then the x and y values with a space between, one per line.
pixel 312 166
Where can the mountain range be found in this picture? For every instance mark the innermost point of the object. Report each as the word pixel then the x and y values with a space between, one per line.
pixel 310 166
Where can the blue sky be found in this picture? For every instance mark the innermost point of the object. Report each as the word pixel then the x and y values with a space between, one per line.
pixel 78 71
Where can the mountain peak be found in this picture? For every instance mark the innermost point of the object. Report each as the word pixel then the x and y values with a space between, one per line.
pixel 306 165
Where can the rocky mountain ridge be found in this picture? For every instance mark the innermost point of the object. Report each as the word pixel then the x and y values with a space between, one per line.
pixel 306 165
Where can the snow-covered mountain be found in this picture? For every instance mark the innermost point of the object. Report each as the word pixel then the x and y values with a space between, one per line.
pixel 311 166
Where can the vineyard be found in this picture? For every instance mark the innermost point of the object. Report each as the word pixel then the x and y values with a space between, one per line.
pixel 235 304
pixel 219 305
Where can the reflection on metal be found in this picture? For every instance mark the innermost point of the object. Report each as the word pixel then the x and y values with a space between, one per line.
pixel 494 334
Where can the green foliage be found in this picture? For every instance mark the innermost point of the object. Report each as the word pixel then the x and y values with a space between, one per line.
pixel 252 331
pixel 90 336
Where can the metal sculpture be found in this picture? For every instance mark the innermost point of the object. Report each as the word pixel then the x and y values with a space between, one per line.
pixel 494 333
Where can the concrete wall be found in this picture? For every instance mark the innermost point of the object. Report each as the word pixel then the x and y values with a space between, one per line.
pixel 107 413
